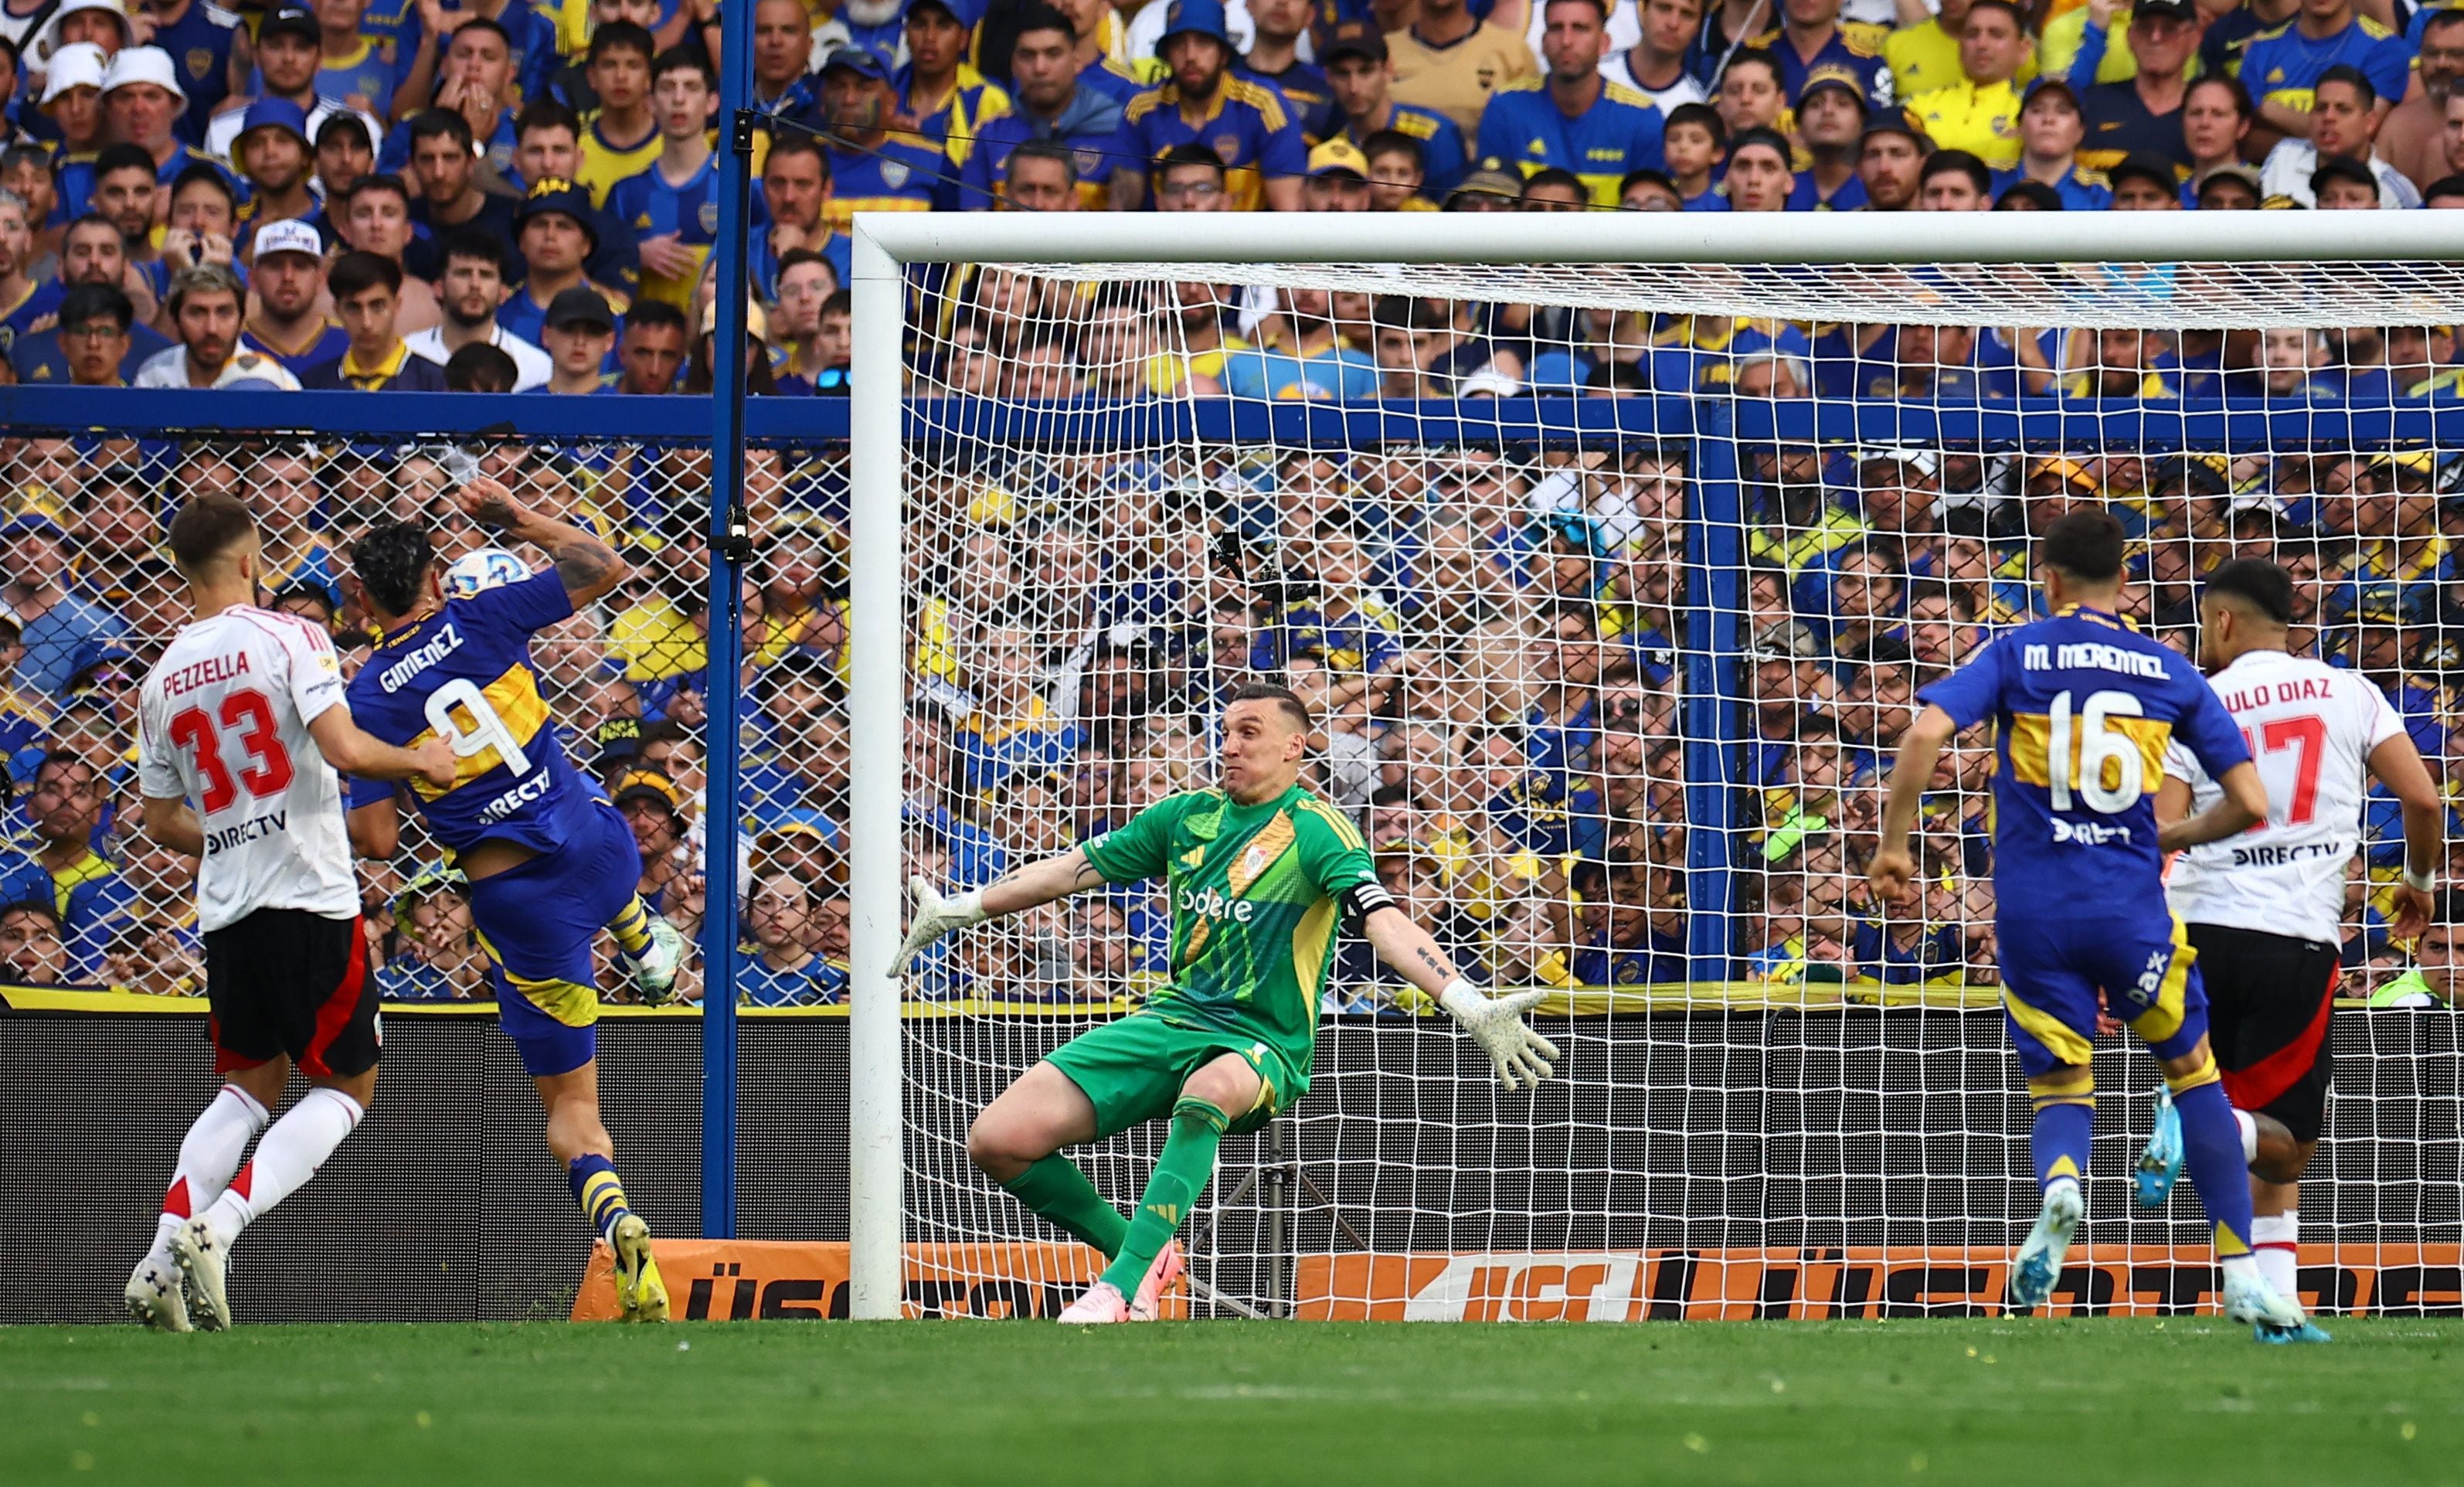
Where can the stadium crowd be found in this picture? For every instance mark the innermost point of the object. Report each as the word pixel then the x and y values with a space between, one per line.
pixel 399 197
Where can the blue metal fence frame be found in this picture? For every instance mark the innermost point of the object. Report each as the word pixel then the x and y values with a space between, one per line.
pixel 1717 430
pixel 730 550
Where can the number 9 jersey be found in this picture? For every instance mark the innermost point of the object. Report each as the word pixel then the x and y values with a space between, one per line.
pixel 2084 707
pixel 464 674
pixel 224 724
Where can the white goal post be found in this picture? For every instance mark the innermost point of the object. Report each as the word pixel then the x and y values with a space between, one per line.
pixel 2076 271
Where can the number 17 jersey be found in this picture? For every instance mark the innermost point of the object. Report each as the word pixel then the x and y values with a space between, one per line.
pixel 2314 729
pixel 464 674
pixel 223 725
pixel 2085 708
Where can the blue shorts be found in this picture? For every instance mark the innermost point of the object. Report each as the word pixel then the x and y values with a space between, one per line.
pixel 539 923
pixel 2052 970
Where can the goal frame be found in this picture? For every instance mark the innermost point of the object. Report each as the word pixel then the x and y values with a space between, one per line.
pixel 885 245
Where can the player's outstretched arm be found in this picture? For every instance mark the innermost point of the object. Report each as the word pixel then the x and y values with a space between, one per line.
pixel 1023 888
pixel 170 822
pixel 1892 872
pixel 2398 765
pixel 2244 805
pixel 354 750
pixel 1521 1056
pixel 587 567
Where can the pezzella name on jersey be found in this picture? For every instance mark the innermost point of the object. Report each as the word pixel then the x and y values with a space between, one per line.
pixel 444 643
pixel 199 673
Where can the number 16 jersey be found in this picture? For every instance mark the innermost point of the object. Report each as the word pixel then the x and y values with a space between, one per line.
pixel 2084 707
pixel 464 674
pixel 223 724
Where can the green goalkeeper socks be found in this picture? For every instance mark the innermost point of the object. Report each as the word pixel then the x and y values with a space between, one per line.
pixel 1180 1175
pixel 1055 1188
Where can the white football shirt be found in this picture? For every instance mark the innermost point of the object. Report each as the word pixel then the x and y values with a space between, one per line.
pixel 2311 727
pixel 224 725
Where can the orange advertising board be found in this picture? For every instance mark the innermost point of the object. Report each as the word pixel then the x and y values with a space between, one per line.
pixel 1636 1285
pixel 738 1279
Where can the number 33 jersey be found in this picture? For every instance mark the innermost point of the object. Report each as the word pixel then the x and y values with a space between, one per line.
pixel 2312 729
pixel 2084 709
pixel 464 674
pixel 224 725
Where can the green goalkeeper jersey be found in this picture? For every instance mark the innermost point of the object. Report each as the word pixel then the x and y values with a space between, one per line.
pixel 1254 911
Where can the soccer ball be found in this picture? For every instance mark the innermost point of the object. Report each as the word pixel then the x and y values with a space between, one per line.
pixel 477 572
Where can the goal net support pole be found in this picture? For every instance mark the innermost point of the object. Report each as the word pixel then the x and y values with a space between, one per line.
pixel 2068 270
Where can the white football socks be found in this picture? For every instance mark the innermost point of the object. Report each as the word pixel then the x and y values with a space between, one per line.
pixel 209 1155
pixel 2276 1237
pixel 289 1155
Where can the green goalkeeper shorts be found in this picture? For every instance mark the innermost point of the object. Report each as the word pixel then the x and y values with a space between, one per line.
pixel 1132 1070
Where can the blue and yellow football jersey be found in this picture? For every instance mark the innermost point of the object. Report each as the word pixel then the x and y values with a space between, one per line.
pixel 1444 160
pixel 2083 706
pixel 1853 50
pixel 605 162
pixel 958 120
pixel 465 674
pixel 904 172
pixel 1618 133
pixel 2283 65
pixel 1248 126
pixel 651 206
pixel 371 71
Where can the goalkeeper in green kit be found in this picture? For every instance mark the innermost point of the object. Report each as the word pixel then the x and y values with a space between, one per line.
pixel 1260 872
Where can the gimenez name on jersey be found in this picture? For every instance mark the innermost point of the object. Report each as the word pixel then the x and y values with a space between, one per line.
pixel 404 671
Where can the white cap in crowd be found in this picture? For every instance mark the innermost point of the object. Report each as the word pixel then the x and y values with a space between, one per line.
pixel 131 65
pixel 288 235
pixel 69 7
pixel 78 65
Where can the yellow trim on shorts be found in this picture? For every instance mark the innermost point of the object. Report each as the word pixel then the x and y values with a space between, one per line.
pixel 2059 1039
pixel 2072 1084
pixel 2165 1019
pixel 570 1002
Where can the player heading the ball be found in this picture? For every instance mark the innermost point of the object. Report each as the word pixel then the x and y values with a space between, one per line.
pixel 549 860
pixel 1263 875
pixel 2084 707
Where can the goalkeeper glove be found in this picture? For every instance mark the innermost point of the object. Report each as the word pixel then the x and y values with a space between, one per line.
pixel 1497 1026
pixel 937 915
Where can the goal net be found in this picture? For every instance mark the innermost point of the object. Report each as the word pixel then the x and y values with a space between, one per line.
pixel 1611 554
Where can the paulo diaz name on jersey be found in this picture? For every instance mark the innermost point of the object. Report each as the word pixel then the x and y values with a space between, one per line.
pixel 2311 728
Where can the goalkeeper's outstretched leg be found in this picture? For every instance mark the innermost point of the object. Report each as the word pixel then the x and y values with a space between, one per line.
pixel 1017 1143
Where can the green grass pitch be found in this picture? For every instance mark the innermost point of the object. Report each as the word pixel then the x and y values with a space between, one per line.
pixel 1288 1404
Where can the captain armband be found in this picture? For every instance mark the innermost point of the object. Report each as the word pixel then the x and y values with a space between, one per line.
pixel 1361 901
